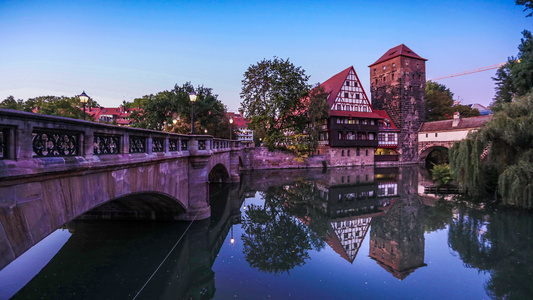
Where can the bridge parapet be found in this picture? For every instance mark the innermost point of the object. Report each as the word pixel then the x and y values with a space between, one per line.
pixel 32 144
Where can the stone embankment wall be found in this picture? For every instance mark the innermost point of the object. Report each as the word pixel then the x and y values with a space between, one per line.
pixel 261 159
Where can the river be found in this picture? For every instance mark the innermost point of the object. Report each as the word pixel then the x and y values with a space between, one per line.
pixel 354 233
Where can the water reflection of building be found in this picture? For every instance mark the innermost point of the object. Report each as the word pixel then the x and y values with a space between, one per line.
pixel 352 207
pixel 397 238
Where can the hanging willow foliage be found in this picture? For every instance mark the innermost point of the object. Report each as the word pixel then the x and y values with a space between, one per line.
pixel 508 137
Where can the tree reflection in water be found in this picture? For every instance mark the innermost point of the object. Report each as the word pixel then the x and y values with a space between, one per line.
pixel 275 237
pixel 498 242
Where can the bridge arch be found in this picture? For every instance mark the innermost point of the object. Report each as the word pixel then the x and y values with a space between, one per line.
pixel 219 173
pixel 427 150
pixel 138 206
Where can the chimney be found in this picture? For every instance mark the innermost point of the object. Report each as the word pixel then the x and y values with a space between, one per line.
pixel 456 119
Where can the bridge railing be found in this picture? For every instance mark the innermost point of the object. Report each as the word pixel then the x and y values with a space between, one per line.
pixel 48 140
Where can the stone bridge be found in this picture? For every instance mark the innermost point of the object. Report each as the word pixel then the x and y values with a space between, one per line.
pixel 54 170
pixel 425 148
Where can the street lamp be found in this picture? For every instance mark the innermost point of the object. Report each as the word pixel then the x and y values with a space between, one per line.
pixel 83 99
pixel 230 128
pixel 193 97
pixel 205 130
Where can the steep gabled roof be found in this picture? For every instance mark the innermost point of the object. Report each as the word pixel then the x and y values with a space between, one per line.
pixel 400 50
pixel 334 87
pixel 334 84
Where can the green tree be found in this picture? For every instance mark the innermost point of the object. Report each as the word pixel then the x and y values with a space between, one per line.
pixel 528 6
pixel 515 78
pixel 440 104
pixel 500 154
pixel 273 94
pixel 171 111
pixel 11 103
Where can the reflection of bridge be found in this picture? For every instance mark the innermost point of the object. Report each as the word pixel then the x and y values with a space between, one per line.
pixel 53 170
pixel 185 274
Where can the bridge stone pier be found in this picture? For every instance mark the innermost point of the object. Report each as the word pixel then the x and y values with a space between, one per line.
pixel 54 170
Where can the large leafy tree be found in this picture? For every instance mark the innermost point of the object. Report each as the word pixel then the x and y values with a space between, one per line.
pixel 515 78
pixel 440 104
pixel 273 97
pixel 171 111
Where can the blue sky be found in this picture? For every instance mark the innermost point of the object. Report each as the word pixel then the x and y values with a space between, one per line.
pixel 120 50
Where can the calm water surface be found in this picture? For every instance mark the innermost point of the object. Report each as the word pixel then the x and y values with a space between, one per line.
pixel 360 233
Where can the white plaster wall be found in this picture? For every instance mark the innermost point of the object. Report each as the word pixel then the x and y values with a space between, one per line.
pixel 455 135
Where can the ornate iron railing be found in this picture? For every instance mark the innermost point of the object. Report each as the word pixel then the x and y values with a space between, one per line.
pixel 104 144
pixel 172 145
pixel 137 144
pixel 158 145
pixel 201 144
pixel 50 143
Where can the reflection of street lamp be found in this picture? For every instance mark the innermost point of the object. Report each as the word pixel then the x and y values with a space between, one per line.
pixel 83 99
pixel 232 240
pixel 230 128
pixel 193 97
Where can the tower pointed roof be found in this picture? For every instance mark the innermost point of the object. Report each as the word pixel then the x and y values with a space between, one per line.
pixel 400 50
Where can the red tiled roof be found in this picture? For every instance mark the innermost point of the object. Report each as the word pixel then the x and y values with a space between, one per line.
pixel 383 114
pixel 334 84
pixel 354 114
pixel 400 50
pixel 238 120
pixel 464 123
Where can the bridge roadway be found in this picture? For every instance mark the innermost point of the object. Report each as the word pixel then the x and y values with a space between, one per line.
pixel 54 170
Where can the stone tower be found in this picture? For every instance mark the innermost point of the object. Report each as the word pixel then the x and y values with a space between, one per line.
pixel 397 85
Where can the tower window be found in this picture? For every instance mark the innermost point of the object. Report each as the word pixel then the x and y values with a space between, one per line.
pixel 393 65
pixel 374 71
pixel 384 68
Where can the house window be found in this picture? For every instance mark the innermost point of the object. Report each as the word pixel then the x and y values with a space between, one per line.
pixel 357 96
pixel 357 154
pixel 338 107
pixel 372 122
pixel 355 84
pixel 347 83
pixel 348 155
pixel 342 154
pixel 345 95
pixel 436 134
pixel 367 155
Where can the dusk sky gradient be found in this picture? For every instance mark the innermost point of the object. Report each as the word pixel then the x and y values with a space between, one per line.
pixel 121 50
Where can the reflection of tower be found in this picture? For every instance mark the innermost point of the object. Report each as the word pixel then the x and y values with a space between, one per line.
pixel 397 239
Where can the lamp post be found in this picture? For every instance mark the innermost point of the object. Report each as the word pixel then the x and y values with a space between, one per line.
pixel 83 99
pixel 230 128
pixel 193 97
